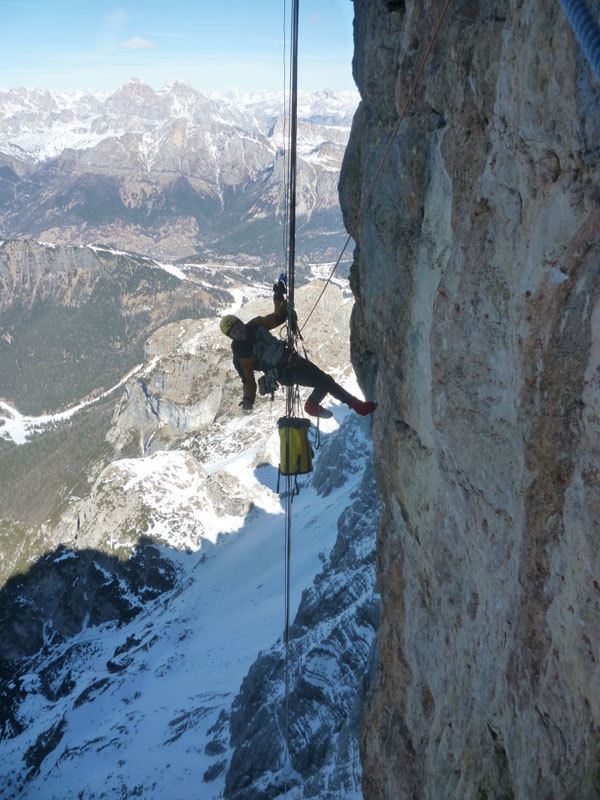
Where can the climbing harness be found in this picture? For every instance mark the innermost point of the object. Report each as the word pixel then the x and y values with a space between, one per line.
pixel 272 351
pixel 585 29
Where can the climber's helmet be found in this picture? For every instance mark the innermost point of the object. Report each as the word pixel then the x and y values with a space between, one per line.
pixel 227 323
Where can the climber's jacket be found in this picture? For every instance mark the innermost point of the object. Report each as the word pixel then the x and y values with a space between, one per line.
pixel 261 350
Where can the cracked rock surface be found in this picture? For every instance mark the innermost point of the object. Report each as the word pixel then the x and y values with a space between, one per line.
pixel 476 328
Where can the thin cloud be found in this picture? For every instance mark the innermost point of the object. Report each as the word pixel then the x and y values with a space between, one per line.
pixel 138 43
pixel 111 29
pixel 170 35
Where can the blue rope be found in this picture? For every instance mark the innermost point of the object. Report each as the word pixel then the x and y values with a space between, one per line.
pixel 586 30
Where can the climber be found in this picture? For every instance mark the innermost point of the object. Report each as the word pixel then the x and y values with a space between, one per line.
pixel 254 348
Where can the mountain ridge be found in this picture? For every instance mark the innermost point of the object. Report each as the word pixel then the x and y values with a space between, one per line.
pixel 170 173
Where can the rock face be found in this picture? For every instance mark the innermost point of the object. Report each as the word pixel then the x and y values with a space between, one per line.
pixel 477 323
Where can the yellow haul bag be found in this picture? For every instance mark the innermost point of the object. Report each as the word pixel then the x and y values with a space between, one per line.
pixel 296 453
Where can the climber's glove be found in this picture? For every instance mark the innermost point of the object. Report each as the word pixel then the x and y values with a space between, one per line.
pixel 279 288
pixel 246 405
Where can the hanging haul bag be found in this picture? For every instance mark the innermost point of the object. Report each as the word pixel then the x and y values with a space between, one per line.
pixel 296 454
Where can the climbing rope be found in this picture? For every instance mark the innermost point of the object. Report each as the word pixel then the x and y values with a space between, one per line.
pixel 291 391
pixel 585 29
pixel 291 193
pixel 363 206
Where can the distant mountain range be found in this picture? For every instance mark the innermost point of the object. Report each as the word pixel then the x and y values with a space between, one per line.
pixel 171 173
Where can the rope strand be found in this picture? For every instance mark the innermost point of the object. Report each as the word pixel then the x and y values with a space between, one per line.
pixel 586 31
pixel 291 332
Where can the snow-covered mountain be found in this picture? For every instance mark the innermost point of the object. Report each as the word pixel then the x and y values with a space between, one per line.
pixel 37 125
pixel 169 173
pixel 142 655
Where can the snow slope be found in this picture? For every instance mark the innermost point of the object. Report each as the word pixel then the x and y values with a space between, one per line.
pixel 140 710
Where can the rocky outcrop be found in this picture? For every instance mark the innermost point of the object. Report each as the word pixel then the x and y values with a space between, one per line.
pixel 33 274
pixel 180 390
pixel 67 590
pixel 477 320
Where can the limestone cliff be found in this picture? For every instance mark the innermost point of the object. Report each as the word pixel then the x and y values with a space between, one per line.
pixel 477 326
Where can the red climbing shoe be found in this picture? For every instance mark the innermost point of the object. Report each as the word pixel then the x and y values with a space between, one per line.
pixel 315 410
pixel 363 407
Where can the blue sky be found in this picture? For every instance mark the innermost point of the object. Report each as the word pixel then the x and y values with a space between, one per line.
pixel 213 44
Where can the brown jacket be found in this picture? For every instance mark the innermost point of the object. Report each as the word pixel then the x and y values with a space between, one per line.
pixel 244 351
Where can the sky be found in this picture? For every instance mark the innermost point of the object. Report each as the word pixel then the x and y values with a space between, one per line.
pixel 212 44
